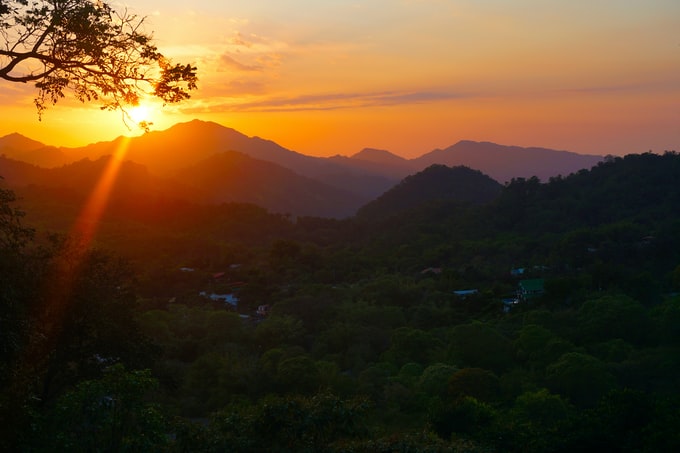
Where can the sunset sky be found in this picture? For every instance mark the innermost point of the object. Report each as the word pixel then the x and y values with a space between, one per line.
pixel 326 77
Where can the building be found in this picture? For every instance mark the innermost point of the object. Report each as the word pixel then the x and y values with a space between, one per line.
pixel 528 289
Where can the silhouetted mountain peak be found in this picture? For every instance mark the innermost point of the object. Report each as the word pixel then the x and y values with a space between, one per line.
pixel 378 156
pixel 20 142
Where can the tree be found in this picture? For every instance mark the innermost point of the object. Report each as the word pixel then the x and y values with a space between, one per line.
pixel 478 383
pixel 107 414
pixel 580 377
pixel 88 48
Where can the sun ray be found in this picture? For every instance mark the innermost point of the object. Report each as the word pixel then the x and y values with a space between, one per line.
pixel 68 265
pixel 85 226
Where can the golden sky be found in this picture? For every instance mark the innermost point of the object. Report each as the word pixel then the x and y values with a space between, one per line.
pixel 326 77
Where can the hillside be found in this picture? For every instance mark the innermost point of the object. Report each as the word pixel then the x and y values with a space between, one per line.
pixel 16 146
pixel 411 330
pixel 235 177
pixel 435 183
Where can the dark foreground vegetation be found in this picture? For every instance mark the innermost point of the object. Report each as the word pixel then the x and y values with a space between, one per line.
pixel 389 331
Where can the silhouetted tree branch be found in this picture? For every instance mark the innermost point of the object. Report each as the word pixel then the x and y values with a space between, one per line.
pixel 88 48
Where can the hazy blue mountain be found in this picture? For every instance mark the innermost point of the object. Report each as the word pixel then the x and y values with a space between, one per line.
pixel 503 163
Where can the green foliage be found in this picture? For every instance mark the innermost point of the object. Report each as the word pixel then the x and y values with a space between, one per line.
pixel 17 264
pixel 667 319
pixel 611 317
pixel 215 379
pixel 539 420
pixel 480 384
pixel 419 442
pixel 466 416
pixel 580 377
pixel 539 346
pixel 298 374
pixel 281 424
pixel 480 345
pixel 434 379
pixel 591 366
pixel 108 414
pixel 414 345
pixel 90 323
pixel 279 330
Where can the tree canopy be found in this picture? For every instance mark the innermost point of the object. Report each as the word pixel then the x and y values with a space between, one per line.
pixel 87 48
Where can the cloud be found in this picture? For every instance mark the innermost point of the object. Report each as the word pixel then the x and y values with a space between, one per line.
pixel 230 63
pixel 662 83
pixel 336 101
pixel 331 101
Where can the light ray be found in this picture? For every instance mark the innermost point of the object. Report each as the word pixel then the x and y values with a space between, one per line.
pixel 64 271
pixel 87 222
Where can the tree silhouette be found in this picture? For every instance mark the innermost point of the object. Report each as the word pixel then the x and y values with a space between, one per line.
pixel 88 48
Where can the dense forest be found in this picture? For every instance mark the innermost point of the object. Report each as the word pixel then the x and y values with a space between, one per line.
pixel 534 316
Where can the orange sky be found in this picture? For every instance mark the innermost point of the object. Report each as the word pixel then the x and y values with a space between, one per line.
pixel 331 77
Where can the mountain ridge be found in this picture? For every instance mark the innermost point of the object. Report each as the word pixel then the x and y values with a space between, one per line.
pixel 361 177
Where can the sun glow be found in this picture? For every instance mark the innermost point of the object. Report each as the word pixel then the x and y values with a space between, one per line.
pixel 141 113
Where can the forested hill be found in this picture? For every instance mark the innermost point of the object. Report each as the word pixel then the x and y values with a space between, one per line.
pixel 619 223
pixel 435 183
pixel 640 188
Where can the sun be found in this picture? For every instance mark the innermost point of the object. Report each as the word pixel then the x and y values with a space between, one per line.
pixel 141 113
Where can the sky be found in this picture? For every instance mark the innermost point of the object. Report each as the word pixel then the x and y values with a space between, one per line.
pixel 327 77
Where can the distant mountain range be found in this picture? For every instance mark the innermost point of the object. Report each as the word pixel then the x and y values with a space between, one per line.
pixel 205 162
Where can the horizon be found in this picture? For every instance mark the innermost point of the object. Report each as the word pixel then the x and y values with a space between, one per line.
pixel 439 148
pixel 407 77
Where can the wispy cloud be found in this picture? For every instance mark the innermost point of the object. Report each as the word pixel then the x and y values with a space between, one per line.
pixel 331 101
pixel 658 84
pixel 230 63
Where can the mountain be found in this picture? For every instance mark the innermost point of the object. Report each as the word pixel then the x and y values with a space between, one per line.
pixel 235 177
pixel 18 147
pixel 15 172
pixel 379 162
pixel 167 152
pixel 221 178
pixel 380 156
pixel 435 183
pixel 79 178
pixel 185 144
pixel 503 163
pixel 19 142
pixel 363 177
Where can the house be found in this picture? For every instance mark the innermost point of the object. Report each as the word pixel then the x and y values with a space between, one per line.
pixel 528 289
pixel 509 303
pixel 517 271
pixel 463 293
pixel 432 270
pixel 235 285
pixel 227 299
